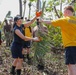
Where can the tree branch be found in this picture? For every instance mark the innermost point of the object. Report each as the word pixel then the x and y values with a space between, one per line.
pixel 72 2
pixel 56 12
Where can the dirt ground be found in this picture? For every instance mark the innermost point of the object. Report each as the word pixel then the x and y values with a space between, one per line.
pixel 54 64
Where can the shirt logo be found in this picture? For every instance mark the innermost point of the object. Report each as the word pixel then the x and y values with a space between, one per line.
pixel 72 21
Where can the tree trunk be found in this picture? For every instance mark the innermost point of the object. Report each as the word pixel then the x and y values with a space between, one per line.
pixel 29 10
pixel 56 12
pixel 61 5
pixel 24 8
pixel 43 8
pixel 20 4
pixel 38 7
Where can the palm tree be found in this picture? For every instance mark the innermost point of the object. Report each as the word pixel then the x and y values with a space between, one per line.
pixel 40 47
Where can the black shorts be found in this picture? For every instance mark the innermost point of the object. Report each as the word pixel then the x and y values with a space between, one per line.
pixel 26 44
pixel 16 51
pixel 70 55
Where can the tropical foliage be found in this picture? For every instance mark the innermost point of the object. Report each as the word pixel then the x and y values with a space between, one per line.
pixel 49 51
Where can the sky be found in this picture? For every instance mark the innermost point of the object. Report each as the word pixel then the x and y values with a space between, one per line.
pixel 9 5
pixel 13 6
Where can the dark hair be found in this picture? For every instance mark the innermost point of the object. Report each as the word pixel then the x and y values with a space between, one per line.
pixel 17 18
pixel 69 8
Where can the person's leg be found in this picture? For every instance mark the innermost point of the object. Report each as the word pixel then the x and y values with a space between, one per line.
pixel 28 52
pixel 19 66
pixel 71 69
pixel 14 66
pixel 28 49
pixel 15 62
pixel 23 53
pixel 70 56
pixel 7 39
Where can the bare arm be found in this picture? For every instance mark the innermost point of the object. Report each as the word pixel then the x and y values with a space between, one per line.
pixel 45 21
pixel 30 22
pixel 22 36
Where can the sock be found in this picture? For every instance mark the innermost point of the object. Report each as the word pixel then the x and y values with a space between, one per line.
pixel 13 70
pixel 18 71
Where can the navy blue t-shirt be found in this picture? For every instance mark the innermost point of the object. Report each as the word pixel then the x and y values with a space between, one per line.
pixel 17 39
pixel 17 44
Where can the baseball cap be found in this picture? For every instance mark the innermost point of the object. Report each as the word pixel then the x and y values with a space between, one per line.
pixel 17 18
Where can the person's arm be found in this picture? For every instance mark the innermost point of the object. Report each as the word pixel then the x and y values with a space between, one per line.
pixel 30 22
pixel 21 35
pixel 45 21
pixel 25 37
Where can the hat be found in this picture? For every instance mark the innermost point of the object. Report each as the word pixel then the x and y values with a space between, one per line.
pixel 17 18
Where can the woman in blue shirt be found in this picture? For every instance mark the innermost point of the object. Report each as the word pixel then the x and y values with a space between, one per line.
pixel 17 46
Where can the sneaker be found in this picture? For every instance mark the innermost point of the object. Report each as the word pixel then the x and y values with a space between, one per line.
pixel 13 73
